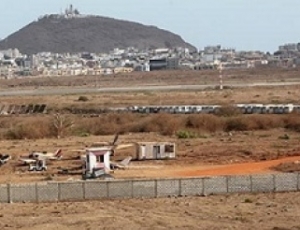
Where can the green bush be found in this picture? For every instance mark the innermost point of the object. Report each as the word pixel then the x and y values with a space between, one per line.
pixel 184 134
pixel 284 137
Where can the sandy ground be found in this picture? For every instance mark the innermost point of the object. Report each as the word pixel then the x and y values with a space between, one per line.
pixel 255 95
pixel 265 211
pixel 217 154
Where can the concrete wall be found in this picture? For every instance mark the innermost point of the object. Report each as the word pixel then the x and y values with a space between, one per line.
pixel 148 188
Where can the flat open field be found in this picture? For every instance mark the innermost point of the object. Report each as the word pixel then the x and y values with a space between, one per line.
pixel 265 212
pixel 211 153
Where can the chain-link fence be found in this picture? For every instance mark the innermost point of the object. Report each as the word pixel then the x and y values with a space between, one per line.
pixel 148 188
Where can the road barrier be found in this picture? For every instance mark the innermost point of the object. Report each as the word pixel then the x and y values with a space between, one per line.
pixel 148 188
pixel 10 109
pixel 13 109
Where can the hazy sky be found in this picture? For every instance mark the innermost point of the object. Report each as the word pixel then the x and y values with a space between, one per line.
pixel 241 24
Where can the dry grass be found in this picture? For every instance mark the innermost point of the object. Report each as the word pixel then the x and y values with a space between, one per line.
pixel 205 122
pixel 27 128
pixel 165 124
pixel 292 122
pixel 255 122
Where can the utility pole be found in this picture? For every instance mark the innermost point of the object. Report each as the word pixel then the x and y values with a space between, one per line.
pixel 221 76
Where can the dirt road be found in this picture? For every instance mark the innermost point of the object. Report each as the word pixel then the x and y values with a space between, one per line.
pixel 239 169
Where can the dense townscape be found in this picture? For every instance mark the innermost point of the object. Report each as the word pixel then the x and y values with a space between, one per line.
pixel 13 63
pixel 124 60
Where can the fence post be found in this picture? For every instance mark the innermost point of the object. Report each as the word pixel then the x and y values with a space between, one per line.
pixel 155 183
pixel 131 188
pixel 36 193
pixel 227 184
pixel 59 191
pixel 83 190
pixel 274 182
pixel 251 184
pixel 9 193
pixel 180 189
pixel 107 189
pixel 203 186
pixel 298 182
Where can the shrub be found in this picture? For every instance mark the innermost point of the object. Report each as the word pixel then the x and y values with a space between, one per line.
pixel 49 177
pixel 166 124
pixel 292 122
pixel 263 121
pixel 284 137
pixel 253 122
pixel 82 98
pixel 15 133
pixel 228 111
pixel 82 134
pixel 61 124
pixel 206 122
pixel 235 124
pixel 137 127
pixel 184 134
pixel 30 129
pixel 247 200
pixel 98 126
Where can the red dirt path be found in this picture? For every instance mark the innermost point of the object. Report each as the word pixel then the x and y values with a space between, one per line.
pixel 237 169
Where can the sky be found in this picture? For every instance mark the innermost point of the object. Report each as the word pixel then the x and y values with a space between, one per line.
pixel 240 24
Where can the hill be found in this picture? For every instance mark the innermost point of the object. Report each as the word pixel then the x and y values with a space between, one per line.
pixel 88 34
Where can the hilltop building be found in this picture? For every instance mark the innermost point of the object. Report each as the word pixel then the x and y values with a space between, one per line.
pixel 71 12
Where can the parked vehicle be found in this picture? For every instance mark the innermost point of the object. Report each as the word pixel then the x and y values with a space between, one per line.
pixel 4 158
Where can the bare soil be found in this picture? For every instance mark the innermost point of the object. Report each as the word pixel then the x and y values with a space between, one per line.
pixel 264 211
pixel 177 77
pixel 219 153
pixel 214 154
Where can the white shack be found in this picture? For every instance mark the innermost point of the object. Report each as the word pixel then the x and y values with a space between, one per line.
pixel 155 150
pixel 97 159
